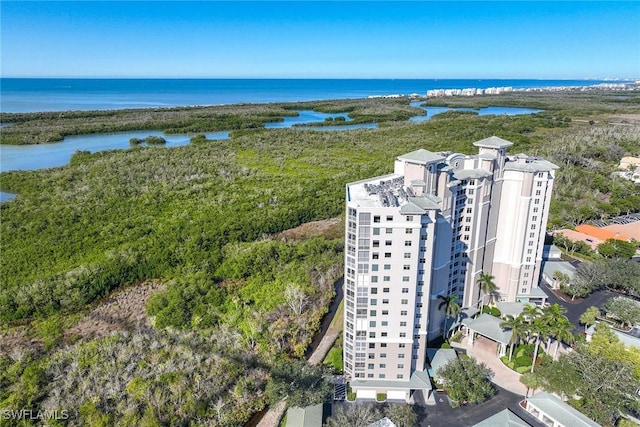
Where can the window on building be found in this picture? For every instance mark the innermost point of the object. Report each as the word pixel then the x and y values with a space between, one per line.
pixel 383 355
pixel 376 218
pixel 387 242
pixel 374 291
pixel 376 231
pixel 372 313
pixel 523 291
pixel 385 312
pixel 383 345
pixel 400 355
pixel 407 242
pixel 384 323
pixel 372 334
pixel 386 278
pixel 405 278
pixel 408 231
pixel 387 266
pixel 385 290
pixel 403 313
pixel 404 301
pixel 528 259
pixel 372 345
pixel 401 345
pixel 382 376
pixel 388 230
pixel 375 255
pixel 406 267
pixel 372 324
pixel 374 301
pixel 405 290
pixel 403 324
pixel 383 365
pixel 407 255
pixel 536 201
pixel 534 218
pixel 387 254
pixel 538 192
pixel 467 228
pixel 409 218
pixel 389 217
pixel 384 334
pixel 374 279
pixel 376 243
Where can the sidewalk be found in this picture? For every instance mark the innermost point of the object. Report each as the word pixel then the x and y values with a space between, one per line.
pixel 502 375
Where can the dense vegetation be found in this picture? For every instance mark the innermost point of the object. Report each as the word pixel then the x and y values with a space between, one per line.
pixel 466 381
pixel 200 219
pixel 600 378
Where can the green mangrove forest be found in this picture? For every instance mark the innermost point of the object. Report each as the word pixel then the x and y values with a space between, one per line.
pixel 202 220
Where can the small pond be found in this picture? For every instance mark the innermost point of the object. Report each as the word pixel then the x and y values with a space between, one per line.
pixel 498 111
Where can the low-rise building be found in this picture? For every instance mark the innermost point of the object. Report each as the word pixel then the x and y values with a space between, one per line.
pixel 504 418
pixel 553 412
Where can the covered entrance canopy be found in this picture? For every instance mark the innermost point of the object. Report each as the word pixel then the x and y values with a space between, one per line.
pixel 489 327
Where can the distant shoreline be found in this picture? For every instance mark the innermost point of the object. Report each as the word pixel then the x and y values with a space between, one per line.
pixel 35 95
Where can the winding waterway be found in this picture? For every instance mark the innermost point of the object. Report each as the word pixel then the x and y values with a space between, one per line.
pixel 41 156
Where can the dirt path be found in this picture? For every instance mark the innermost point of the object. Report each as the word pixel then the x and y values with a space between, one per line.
pixel 329 228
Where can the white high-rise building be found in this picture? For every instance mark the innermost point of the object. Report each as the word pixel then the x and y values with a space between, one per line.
pixel 428 231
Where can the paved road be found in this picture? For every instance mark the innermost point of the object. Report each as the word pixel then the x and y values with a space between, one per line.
pixel 443 415
pixel 575 309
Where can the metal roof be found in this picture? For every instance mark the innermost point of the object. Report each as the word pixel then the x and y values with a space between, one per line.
pixel 489 326
pixel 493 142
pixel 504 418
pixel 309 416
pixel 422 156
pixel 559 411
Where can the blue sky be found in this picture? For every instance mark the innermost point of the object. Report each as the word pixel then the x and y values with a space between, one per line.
pixel 321 39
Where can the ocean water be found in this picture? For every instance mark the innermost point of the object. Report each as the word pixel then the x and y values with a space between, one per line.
pixel 31 95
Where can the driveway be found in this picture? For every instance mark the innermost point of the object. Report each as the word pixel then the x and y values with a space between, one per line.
pixel 575 309
pixel 442 414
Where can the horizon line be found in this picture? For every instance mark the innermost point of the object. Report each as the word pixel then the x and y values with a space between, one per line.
pixel 313 78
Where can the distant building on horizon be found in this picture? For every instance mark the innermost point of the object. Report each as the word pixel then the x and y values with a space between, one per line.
pixel 428 231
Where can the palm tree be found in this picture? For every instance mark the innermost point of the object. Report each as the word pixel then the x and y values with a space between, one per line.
pixel 517 326
pixel 452 309
pixel 589 317
pixel 540 330
pixel 551 316
pixel 562 331
pixel 531 313
pixel 487 285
